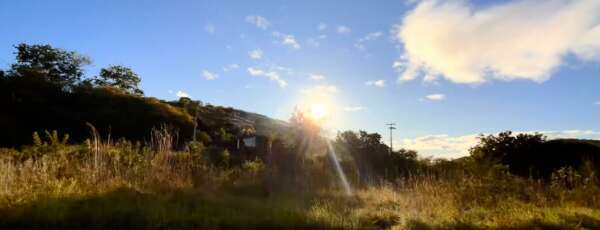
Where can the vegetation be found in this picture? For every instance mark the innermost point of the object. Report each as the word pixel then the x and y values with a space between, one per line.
pixel 180 165
pixel 117 184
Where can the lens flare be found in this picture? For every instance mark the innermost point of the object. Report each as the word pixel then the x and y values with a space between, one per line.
pixel 338 168
pixel 318 111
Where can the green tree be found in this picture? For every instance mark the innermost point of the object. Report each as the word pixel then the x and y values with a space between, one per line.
pixel 120 77
pixel 64 68
pixel 515 151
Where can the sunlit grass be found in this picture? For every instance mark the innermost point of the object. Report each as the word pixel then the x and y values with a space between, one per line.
pixel 66 188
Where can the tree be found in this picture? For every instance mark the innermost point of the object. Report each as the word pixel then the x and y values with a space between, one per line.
pixel 515 151
pixel 120 77
pixel 504 147
pixel 64 68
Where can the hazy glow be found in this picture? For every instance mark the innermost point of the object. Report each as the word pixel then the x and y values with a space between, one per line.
pixel 318 111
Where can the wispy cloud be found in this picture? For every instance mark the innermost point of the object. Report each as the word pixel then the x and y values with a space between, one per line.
pixel 271 75
pixel 313 42
pixel 321 26
pixel 521 39
pixel 359 44
pixel 316 77
pixel 597 103
pixel 344 29
pixel 181 93
pixel 353 108
pixel 208 75
pixel 231 67
pixel 321 90
pixel 436 97
pixel 377 83
pixel 287 39
pixel 256 54
pixel 258 21
pixel 210 28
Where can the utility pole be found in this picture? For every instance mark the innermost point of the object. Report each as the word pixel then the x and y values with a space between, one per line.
pixel 391 126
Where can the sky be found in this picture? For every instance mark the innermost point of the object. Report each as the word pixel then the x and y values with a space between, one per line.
pixel 443 71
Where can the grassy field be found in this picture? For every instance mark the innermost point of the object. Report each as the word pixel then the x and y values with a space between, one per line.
pixel 122 186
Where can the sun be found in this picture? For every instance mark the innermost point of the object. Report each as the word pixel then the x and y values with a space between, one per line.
pixel 318 111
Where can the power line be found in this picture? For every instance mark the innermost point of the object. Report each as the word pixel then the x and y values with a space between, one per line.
pixel 391 126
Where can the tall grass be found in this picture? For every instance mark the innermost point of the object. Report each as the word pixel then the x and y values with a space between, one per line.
pixel 106 184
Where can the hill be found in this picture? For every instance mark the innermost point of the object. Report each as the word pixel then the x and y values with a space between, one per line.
pixel 31 104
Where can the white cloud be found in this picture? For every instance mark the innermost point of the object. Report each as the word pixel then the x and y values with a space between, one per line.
pixel 182 94
pixel 255 72
pixel 321 26
pixel 377 83
pixel 208 75
pixel 231 67
pixel 287 39
pixel 371 36
pixel 436 97
pixel 445 146
pixel 597 103
pixel 353 108
pixel 271 75
pixel 359 44
pixel 343 29
pixel 258 21
pixel 507 41
pixel 316 77
pixel 210 28
pixel 256 54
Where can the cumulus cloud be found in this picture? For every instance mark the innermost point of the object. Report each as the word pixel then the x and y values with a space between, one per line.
pixel 435 97
pixel 316 77
pixel 507 41
pixel 210 28
pixel 182 94
pixel 287 39
pixel 271 75
pixel 208 75
pixel 445 146
pixel 377 83
pixel 343 29
pixel 258 21
pixel 353 108
pixel 256 54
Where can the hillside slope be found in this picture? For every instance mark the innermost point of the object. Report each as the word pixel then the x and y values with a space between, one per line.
pixel 33 105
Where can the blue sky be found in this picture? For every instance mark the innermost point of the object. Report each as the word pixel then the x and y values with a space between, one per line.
pixel 443 71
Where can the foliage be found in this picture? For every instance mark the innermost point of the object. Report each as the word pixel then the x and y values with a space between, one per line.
pixel 119 77
pixel 531 155
pixel 373 160
pixel 60 67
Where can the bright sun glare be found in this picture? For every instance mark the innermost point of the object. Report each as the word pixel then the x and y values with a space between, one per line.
pixel 318 111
